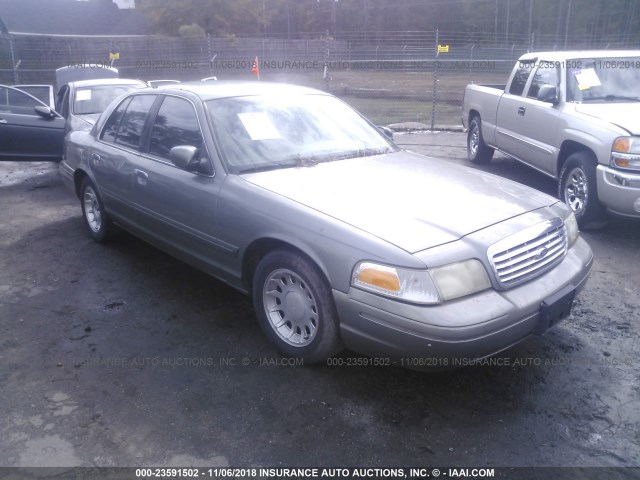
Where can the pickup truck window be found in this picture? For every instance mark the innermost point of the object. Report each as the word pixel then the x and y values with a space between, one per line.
pixel 520 78
pixel 603 80
pixel 546 74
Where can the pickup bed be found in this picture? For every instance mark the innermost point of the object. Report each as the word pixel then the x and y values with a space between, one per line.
pixel 574 116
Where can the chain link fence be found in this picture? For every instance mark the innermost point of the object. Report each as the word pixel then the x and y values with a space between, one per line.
pixel 407 78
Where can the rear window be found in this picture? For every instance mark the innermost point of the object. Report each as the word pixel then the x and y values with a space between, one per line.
pixel 520 78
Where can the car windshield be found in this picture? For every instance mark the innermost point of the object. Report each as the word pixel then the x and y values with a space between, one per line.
pixel 603 80
pixel 268 132
pixel 91 100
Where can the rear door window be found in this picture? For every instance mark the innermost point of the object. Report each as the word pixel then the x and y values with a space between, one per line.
pixel 133 120
pixel 111 126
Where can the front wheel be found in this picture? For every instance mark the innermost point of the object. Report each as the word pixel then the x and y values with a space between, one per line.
pixel 578 189
pixel 477 151
pixel 96 219
pixel 294 307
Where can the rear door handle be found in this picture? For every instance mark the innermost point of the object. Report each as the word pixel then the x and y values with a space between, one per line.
pixel 3 120
pixel 141 177
pixel 521 111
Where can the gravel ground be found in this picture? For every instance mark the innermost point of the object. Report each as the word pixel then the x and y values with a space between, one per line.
pixel 119 355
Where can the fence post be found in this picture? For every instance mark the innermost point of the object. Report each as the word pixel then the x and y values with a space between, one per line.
pixel 210 55
pixel 325 72
pixel 533 37
pixel 471 59
pixel 14 65
pixel 435 85
pixel 403 59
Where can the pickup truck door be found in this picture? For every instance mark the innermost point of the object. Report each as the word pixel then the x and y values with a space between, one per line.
pixel 527 127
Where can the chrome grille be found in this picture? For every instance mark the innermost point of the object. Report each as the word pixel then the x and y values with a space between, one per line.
pixel 529 253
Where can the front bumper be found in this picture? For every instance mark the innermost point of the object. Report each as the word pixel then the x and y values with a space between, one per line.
pixel 619 191
pixel 473 327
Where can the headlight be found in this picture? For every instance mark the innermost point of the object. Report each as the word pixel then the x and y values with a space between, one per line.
pixel 422 286
pixel 571 225
pixel 410 285
pixel 625 153
pixel 460 279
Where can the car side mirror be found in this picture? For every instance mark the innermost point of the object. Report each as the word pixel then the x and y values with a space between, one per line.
pixel 184 156
pixel 548 93
pixel 387 131
pixel 188 158
pixel 45 112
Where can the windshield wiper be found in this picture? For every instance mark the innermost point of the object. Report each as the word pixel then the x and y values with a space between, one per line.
pixel 313 160
pixel 361 152
pixel 309 161
pixel 267 167
pixel 610 98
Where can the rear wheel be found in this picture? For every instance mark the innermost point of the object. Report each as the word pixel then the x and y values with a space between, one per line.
pixel 577 187
pixel 96 219
pixel 295 308
pixel 477 151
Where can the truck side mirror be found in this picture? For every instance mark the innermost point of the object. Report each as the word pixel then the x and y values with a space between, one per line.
pixel 387 132
pixel 548 93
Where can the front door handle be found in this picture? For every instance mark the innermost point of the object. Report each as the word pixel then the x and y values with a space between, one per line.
pixel 141 177
pixel 3 120
pixel 521 111
pixel 96 159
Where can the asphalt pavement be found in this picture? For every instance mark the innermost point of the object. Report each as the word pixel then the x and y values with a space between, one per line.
pixel 119 355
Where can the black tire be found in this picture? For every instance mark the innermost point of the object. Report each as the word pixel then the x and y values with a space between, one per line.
pixel 292 299
pixel 477 151
pixel 577 187
pixel 98 223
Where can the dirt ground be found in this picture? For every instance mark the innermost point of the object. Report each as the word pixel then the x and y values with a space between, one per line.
pixel 119 355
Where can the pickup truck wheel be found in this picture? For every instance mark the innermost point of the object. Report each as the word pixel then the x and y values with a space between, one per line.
pixel 95 218
pixel 477 151
pixel 577 188
pixel 295 308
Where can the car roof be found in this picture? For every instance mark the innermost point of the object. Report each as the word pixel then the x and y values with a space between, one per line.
pixel 106 81
pixel 563 55
pixel 225 89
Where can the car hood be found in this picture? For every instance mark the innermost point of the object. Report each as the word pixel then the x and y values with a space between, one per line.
pixel 624 115
pixel 409 200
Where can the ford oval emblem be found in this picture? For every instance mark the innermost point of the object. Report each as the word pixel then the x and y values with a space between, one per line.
pixel 541 253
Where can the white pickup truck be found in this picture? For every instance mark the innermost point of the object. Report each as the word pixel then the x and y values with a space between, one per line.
pixel 574 116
